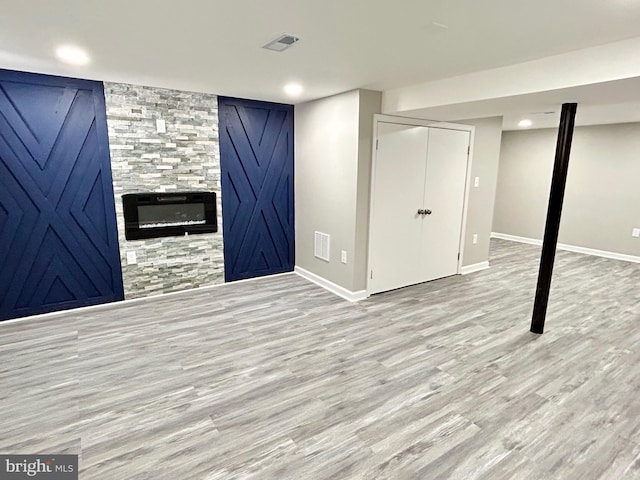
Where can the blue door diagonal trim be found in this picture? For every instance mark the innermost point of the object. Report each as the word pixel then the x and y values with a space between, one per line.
pixel 55 181
pixel 256 156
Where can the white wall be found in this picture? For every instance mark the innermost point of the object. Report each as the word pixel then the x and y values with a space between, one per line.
pixel 603 63
pixel 602 198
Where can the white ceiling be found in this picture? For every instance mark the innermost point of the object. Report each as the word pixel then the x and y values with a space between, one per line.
pixel 214 46
pixel 598 103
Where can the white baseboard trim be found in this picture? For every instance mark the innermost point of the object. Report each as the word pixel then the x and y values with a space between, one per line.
pixel 599 253
pixel 130 301
pixel 515 238
pixel 330 286
pixel 570 248
pixel 476 267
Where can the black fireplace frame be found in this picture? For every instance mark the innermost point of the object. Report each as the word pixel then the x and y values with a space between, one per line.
pixel 131 202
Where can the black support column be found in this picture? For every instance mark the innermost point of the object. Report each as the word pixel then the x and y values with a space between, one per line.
pixel 552 227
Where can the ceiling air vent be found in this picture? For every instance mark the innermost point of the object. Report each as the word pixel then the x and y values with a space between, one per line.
pixel 281 43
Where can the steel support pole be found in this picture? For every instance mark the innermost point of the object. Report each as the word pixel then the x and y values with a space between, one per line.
pixel 552 226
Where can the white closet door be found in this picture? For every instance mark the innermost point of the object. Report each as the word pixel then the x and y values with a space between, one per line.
pixel 444 197
pixel 397 196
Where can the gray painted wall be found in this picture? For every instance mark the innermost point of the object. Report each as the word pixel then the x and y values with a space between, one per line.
pixel 602 199
pixel 326 164
pixel 370 104
pixel 486 157
pixel 186 157
pixel 333 162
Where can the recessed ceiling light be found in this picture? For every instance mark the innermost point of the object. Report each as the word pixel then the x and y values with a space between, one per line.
pixel 440 25
pixel 293 89
pixel 525 123
pixel 72 55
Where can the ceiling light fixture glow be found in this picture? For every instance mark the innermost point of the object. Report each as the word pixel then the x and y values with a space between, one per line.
pixel 293 89
pixel 525 123
pixel 440 25
pixel 72 55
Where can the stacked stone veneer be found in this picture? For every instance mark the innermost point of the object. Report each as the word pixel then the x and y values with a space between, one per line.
pixel 186 157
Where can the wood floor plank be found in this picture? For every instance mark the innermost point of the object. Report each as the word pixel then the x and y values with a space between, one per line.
pixel 278 379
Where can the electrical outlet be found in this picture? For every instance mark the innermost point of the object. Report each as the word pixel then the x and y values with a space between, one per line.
pixel 476 182
pixel 475 238
pixel 131 258
pixel 635 233
pixel 343 256
pixel 161 126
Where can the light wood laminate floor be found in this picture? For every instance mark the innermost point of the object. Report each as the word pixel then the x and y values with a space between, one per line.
pixel 278 379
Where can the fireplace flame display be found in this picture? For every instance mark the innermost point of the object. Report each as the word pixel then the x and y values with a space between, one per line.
pixel 149 215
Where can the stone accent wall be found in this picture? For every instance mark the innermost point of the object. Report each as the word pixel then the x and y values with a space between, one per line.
pixel 186 157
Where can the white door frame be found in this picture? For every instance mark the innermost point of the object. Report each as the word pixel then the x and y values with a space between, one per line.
pixel 380 118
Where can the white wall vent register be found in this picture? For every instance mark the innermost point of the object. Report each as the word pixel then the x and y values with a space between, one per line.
pixel 322 245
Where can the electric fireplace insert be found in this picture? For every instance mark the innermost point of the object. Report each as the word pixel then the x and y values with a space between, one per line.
pixel 150 215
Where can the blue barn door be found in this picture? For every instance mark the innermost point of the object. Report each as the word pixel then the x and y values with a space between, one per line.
pixel 58 236
pixel 256 157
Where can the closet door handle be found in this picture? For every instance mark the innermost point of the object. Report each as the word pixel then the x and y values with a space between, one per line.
pixel 427 212
pixel 421 212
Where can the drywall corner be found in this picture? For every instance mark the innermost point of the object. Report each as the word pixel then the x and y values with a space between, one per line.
pixel 370 104
pixel 326 166
pixel 484 167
